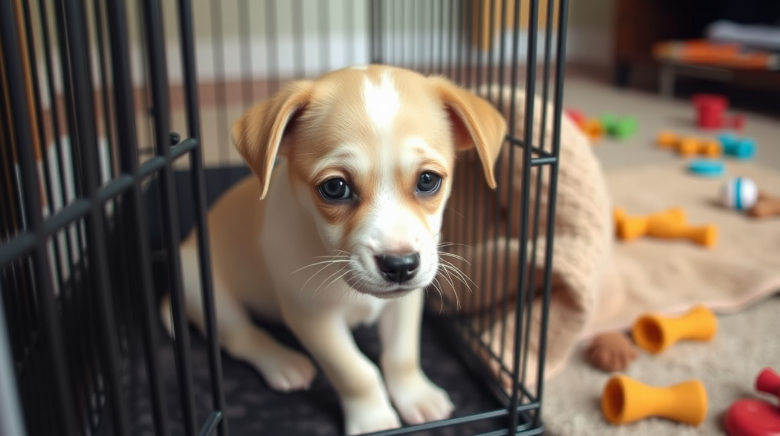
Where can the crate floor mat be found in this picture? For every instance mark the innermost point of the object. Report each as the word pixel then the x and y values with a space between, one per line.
pixel 252 408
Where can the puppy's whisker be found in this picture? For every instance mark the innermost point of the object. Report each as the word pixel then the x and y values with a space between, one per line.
pixel 437 286
pixel 455 212
pixel 330 261
pixel 458 271
pixel 460 279
pixel 332 282
pixel 455 256
pixel 448 278
pixel 314 275
pixel 451 244
pixel 328 278
pixel 351 285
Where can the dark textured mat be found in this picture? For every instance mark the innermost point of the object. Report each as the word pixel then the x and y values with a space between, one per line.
pixel 253 409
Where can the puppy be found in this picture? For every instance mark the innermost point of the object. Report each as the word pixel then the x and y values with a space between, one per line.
pixel 342 230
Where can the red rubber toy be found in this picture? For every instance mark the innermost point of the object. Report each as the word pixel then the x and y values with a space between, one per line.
pixel 710 109
pixel 753 417
pixel 577 116
pixel 768 382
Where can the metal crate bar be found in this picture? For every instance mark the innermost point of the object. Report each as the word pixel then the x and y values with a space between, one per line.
pixel 158 77
pixel 204 251
pixel 9 32
pixel 556 142
pixel 128 146
pixel 24 242
pixel 95 224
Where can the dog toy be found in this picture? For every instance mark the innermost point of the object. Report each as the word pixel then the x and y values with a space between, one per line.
pixel 577 116
pixel 668 224
pixel 707 167
pixel 607 124
pixel 619 127
pixel 655 333
pixel 710 110
pixel 629 228
pixel 742 194
pixel 593 129
pixel 738 193
pixel 755 417
pixel 688 146
pixel 625 400
pixel 611 351
pixel 740 148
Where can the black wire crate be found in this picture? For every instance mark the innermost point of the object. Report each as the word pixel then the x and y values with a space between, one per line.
pixel 114 142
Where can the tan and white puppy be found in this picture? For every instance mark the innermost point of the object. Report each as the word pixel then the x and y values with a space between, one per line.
pixel 347 232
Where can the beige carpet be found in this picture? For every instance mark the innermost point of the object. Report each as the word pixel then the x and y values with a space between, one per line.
pixel 746 340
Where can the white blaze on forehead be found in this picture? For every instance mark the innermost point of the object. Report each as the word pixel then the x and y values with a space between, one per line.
pixel 382 101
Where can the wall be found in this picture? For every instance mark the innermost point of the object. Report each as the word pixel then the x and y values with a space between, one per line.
pixel 590 31
pixel 259 38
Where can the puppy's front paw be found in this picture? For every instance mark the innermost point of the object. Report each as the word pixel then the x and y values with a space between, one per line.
pixel 367 417
pixel 418 400
pixel 286 370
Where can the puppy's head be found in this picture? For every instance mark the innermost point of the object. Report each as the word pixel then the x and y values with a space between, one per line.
pixel 371 155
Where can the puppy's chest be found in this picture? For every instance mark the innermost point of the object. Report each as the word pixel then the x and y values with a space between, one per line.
pixel 363 310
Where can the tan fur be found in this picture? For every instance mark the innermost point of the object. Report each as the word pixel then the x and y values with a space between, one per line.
pixel 320 129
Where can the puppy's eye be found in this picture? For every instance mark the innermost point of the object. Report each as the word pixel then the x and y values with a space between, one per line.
pixel 335 189
pixel 428 183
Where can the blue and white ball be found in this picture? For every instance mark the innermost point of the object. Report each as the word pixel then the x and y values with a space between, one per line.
pixel 738 193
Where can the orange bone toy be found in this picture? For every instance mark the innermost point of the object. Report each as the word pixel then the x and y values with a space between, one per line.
pixel 655 333
pixel 625 400
pixel 689 146
pixel 669 224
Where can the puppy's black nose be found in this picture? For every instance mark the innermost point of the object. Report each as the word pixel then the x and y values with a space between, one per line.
pixel 398 269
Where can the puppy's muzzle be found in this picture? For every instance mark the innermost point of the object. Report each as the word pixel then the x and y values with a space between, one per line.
pixel 398 269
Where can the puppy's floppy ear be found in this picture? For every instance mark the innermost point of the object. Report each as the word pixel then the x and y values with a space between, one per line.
pixel 475 122
pixel 258 134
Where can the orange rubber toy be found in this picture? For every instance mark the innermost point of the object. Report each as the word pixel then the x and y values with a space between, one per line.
pixel 631 227
pixel 593 129
pixel 669 224
pixel 689 146
pixel 625 400
pixel 655 333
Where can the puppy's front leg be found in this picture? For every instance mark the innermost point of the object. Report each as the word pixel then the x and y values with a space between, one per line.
pixel 416 398
pixel 358 381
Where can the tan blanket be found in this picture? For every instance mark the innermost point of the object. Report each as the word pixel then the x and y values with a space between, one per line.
pixel 597 283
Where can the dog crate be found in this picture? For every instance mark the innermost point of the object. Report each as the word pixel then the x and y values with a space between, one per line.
pixel 114 142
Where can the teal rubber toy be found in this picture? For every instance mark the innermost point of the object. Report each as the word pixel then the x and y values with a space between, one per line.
pixel 707 167
pixel 740 148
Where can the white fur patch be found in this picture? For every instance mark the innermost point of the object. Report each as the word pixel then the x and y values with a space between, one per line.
pixel 382 102
pixel 359 67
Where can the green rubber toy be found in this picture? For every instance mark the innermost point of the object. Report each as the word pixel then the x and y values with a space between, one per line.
pixel 619 127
